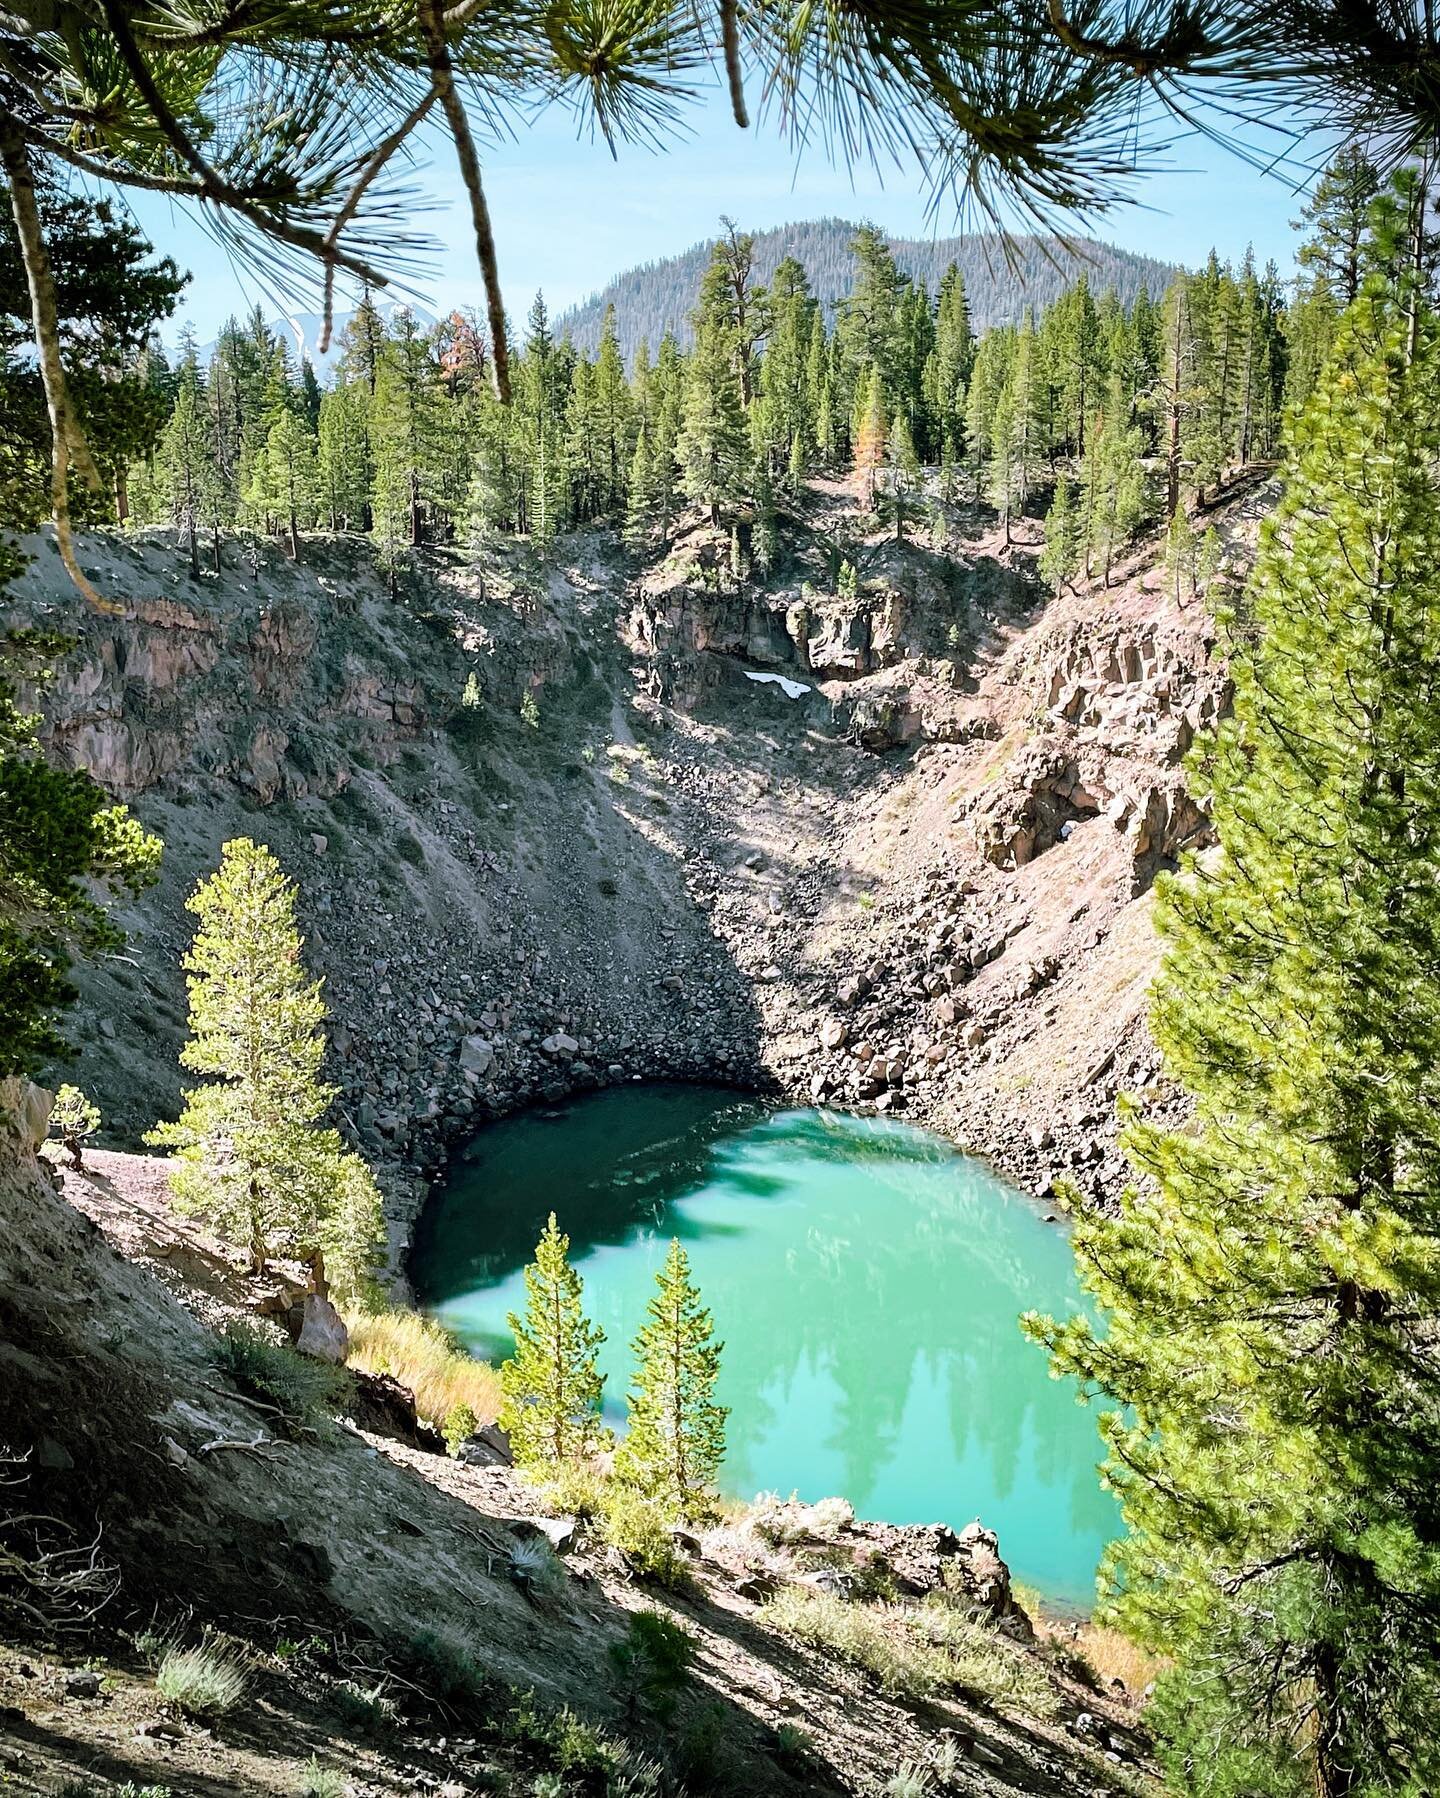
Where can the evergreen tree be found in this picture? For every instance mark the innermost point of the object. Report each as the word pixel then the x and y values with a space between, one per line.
pixel 712 447
pixel 675 1442
pixel 1269 1297
pixel 1336 220
pixel 552 1385
pixel 186 474
pixel 902 474
pixel 343 472
pixel 614 420
pixel 253 1159
pixel 63 848
pixel 867 432
pixel 1060 558
pixel 283 479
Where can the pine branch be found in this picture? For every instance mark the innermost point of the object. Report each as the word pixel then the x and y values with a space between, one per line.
pixel 730 39
pixel 213 185
pixel 442 74
pixel 67 440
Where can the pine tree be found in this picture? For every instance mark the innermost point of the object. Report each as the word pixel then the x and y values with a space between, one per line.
pixel 344 476
pixel 643 506
pixel 712 448
pixel 1269 1297
pixel 253 1159
pixel 283 479
pixel 675 1442
pixel 1060 558
pixel 614 419
pixel 902 474
pixel 552 1384
pixel 186 475
pixel 867 432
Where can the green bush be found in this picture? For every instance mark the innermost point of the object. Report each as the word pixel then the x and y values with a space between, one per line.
pixel 409 848
pixel 447 1670
pixel 322 1782
pixel 304 1390
pixel 982 1662
pixel 640 1529
pixel 855 1633
pixel 573 1489
pixel 205 1681
pixel 460 1424
pixel 369 1711
pixel 652 1660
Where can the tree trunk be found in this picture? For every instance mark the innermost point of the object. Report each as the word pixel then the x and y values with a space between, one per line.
pixel 122 494
pixel 1335 1774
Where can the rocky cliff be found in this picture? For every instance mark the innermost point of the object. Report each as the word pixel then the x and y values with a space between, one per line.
pixel 548 834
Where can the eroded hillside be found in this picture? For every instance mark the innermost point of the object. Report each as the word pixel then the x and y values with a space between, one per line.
pixel 550 834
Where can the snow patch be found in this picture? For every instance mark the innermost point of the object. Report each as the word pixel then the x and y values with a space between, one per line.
pixel 792 689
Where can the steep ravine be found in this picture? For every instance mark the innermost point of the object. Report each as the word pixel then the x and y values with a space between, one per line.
pixel 922 885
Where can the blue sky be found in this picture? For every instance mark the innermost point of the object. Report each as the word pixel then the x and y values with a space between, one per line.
pixel 567 216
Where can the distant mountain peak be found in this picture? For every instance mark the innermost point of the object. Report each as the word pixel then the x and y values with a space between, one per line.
pixel 657 296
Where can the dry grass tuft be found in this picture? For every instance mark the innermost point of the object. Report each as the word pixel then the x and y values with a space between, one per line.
pixel 422 1354
pixel 1114 1656
pixel 917 1653
pixel 206 1681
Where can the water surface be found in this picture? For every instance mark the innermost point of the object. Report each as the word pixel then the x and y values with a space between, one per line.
pixel 865 1277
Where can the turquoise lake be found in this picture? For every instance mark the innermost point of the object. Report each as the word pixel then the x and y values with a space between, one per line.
pixel 865 1277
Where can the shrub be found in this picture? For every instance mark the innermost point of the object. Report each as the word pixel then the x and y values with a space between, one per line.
pixel 409 848
pixel 447 1670
pixel 905 1668
pixel 793 1748
pixel 982 1662
pixel 652 1660
pixel 530 710
pixel 75 1119
pixel 423 1355
pixel 206 1681
pixel 910 1780
pixel 322 1782
pixel 784 1521
pixel 302 1389
pixel 828 1517
pixel 570 1743
pixel 367 1710
pixel 460 1424
pixel 640 1529
pixel 573 1488
pixel 1109 1656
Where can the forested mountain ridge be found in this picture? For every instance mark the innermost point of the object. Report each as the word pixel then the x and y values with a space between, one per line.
pixel 1000 280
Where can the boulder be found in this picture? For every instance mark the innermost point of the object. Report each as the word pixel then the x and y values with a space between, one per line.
pixel 477 1056
pixel 560 1044
pixel 834 1032
pixel 488 1447
pixel 323 1334
pixel 29 1106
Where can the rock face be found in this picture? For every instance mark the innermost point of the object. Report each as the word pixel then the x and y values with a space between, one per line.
pixel 920 888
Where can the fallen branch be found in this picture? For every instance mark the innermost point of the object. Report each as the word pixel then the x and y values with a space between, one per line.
pixel 221 1443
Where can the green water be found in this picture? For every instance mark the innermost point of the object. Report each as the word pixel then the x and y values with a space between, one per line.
pixel 864 1276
